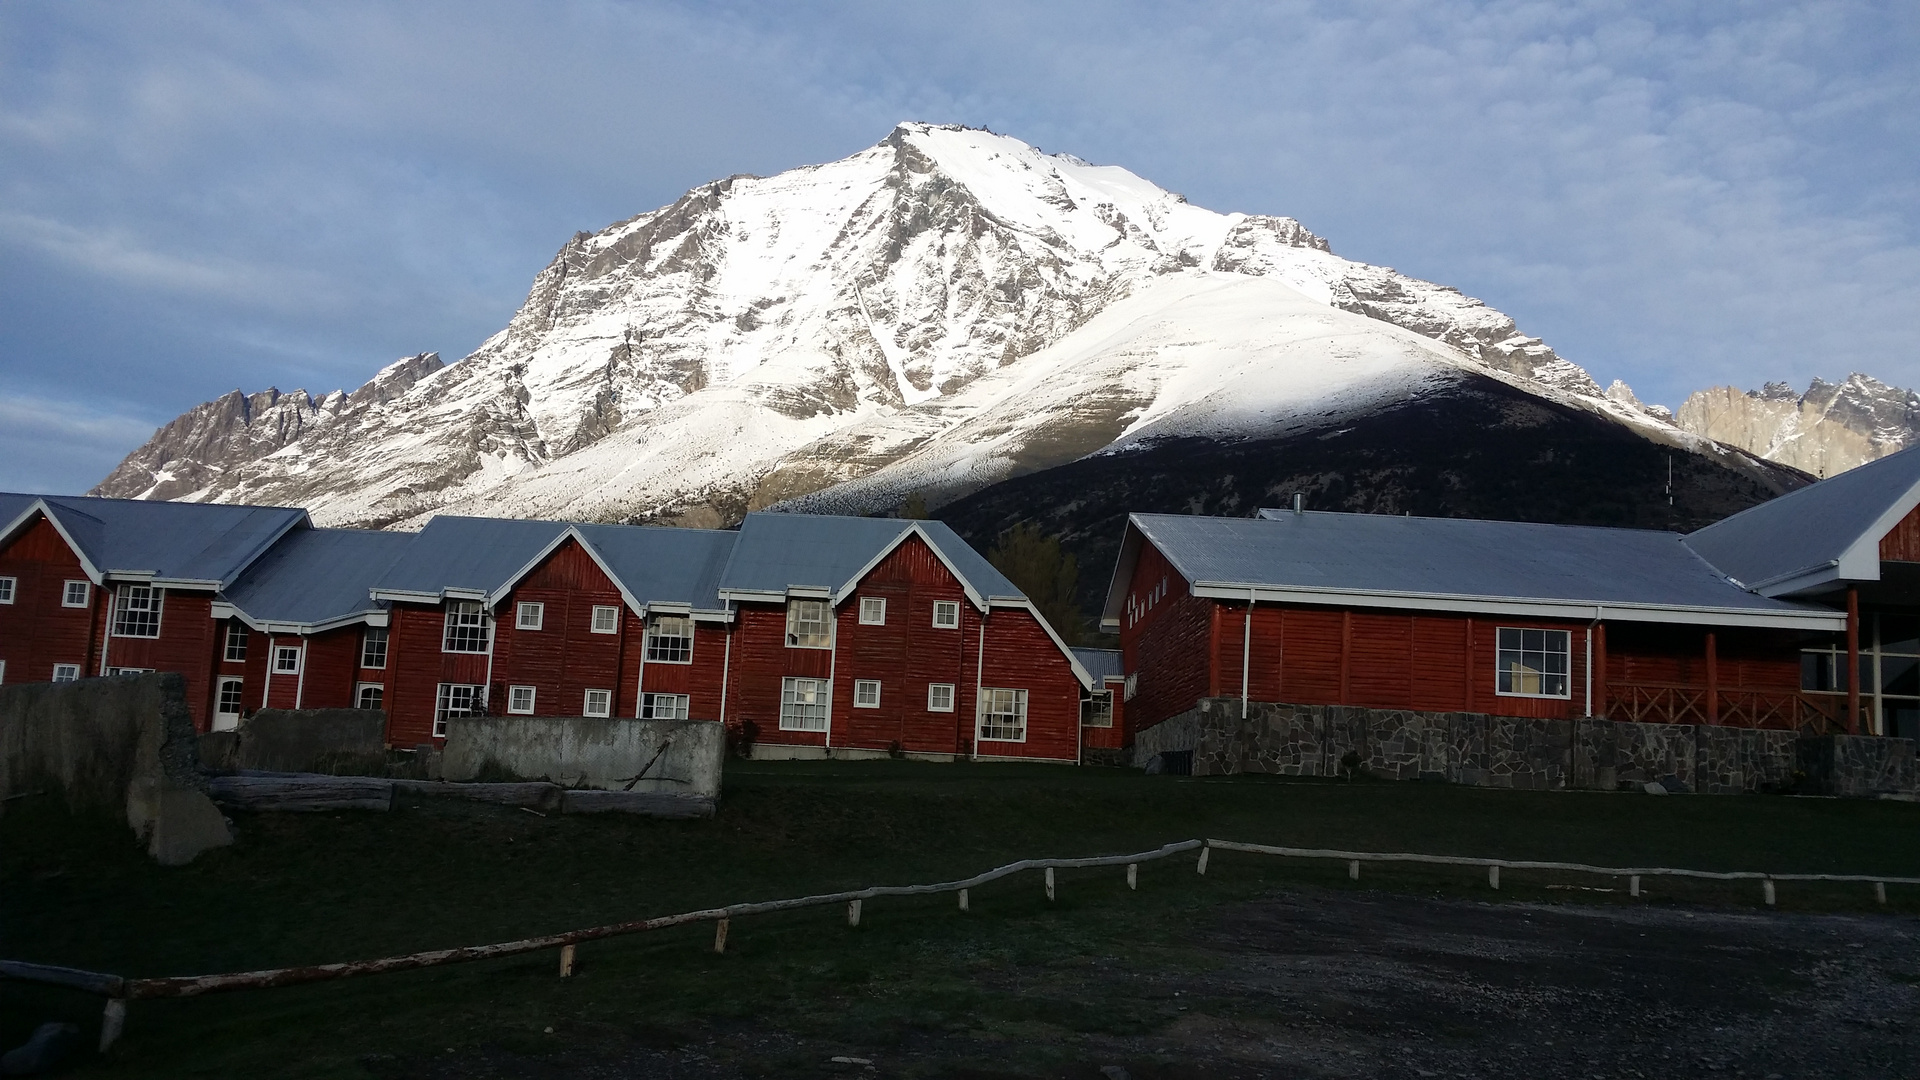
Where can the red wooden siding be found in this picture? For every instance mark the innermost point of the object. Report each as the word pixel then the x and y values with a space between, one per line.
pixel 1020 655
pixel 185 645
pixel 1902 542
pixel 564 658
pixel 699 680
pixel 416 667
pixel 36 632
pixel 1164 640
pixel 761 660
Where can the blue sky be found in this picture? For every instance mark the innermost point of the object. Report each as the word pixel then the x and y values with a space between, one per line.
pixel 201 196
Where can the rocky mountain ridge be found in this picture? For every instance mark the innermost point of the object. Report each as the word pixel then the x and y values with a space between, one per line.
pixel 1829 429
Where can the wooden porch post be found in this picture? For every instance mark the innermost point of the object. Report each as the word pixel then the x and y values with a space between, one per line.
pixel 1853 660
pixel 1713 679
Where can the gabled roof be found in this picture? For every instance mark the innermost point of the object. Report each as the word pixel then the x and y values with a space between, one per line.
pixel 664 566
pixel 175 544
pixel 1452 564
pixel 316 579
pixel 1101 663
pixel 1819 537
pixel 465 557
pixel 829 555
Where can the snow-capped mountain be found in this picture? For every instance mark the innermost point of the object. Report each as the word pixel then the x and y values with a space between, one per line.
pixel 933 314
pixel 1829 429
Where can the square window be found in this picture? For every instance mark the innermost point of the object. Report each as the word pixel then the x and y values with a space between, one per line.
pixel 606 619
pixel 670 640
pixel 598 703
pixel 946 614
pixel 236 641
pixel 873 611
pixel 664 706
pixel 809 624
pixel 468 628
pixel 529 615
pixel 866 693
pixel 1533 663
pixel 7 585
pixel 940 697
pixel 1003 715
pixel 803 705
pixel 371 696
pixel 1097 710
pixel 66 672
pixel 456 699
pixel 77 594
pixel 230 700
pixel 520 700
pixel 373 647
pixel 286 660
pixel 136 611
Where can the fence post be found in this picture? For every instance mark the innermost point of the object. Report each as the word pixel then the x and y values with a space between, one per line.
pixel 853 913
pixel 112 1022
pixel 1049 883
pixel 1202 866
pixel 1353 870
pixel 566 961
pixel 1633 885
pixel 1493 876
pixel 720 936
pixel 1766 890
pixel 1133 876
pixel 963 900
pixel 1880 892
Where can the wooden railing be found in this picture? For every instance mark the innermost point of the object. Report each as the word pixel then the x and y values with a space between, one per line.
pixel 1677 703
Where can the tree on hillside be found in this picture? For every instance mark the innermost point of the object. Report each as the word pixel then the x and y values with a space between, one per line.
pixel 1034 562
pixel 914 508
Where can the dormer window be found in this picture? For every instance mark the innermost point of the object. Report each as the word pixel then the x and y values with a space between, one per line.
pixel 670 640
pixel 809 624
pixel 136 611
pixel 468 629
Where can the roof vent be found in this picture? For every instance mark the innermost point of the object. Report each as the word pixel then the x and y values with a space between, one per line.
pixel 1299 502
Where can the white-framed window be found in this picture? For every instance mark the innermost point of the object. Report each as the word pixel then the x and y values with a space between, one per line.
pixel 230 698
pixel 809 624
pixel 1533 663
pixel 136 611
pixel 670 640
pixel 456 699
pixel 76 594
pixel 3 673
pixel 520 700
pixel 7 585
pixel 946 614
pixel 129 671
pixel 468 628
pixel 286 660
pixel 1003 715
pixel 66 672
pixel 866 693
pixel 606 619
pixel 940 697
pixel 529 615
pixel 236 641
pixel 373 647
pixel 873 611
pixel 803 704
pixel 597 703
pixel 1097 710
pixel 370 695
pixel 664 706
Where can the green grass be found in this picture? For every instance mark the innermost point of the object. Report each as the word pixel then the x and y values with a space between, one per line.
pixel 301 889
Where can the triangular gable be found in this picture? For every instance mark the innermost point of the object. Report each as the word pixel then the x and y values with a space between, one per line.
pixel 41 508
pixel 633 603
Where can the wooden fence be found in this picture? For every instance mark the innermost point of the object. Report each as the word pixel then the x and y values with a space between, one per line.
pixel 118 990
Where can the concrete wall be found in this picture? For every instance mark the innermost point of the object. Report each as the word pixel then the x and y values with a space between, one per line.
pixel 1502 751
pixel 681 757
pixel 123 745
pixel 340 741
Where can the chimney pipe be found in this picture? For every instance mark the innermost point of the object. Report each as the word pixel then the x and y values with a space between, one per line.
pixel 1299 502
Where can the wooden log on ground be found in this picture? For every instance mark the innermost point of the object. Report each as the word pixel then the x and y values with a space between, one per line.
pixel 532 794
pixel 302 792
pixel 91 982
pixel 649 803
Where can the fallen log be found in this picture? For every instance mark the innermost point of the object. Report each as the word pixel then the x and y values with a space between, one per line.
pixel 302 792
pixel 534 794
pixel 650 803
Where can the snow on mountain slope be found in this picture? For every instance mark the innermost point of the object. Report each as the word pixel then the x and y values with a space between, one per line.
pixel 945 306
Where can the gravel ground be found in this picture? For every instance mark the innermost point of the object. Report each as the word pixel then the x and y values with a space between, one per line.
pixel 1310 983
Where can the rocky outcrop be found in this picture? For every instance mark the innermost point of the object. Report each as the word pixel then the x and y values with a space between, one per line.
pixel 1829 429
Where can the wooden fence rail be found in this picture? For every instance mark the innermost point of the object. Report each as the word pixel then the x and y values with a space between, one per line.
pixel 119 989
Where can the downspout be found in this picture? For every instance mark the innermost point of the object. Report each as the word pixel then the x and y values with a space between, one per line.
pixel 486 689
pixel 266 688
pixel 93 630
pixel 1590 626
pixel 1853 660
pixel 640 682
pixel 726 671
pixel 979 683
pixel 1246 654
pixel 300 682
pixel 833 666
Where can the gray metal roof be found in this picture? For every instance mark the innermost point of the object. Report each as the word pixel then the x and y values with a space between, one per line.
pixel 317 576
pixel 1453 563
pixel 467 553
pixel 173 541
pixel 664 565
pixel 776 552
pixel 1819 536
pixel 1101 663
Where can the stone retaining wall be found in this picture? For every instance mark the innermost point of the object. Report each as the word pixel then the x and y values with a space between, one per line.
pixel 1503 751
pixel 680 757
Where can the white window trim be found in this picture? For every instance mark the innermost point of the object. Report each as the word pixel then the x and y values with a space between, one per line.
pixel 946 606
pixel 458 609
pixel 652 635
pixel 12 586
pixel 1566 676
pixel 529 615
pixel 951 690
pixel 1108 693
pixel 586 704
pixel 859 689
pixel 66 593
pixel 441 715
pixel 980 719
pixel 129 671
pixel 73 672
pixel 513 695
pixel 789 684
pixel 386 642
pixel 226 646
pixel 280 651
pixel 219 688
pixel 873 611
pixel 361 688
pixel 116 612
pixel 682 706
pixel 613 619
pixel 827 620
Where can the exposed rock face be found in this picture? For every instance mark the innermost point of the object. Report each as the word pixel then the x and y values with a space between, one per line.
pixel 938 312
pixel 1829 429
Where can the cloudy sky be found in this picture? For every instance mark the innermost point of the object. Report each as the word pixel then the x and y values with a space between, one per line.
pixel 201 196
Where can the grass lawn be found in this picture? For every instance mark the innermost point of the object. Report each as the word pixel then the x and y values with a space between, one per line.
pixel 300 889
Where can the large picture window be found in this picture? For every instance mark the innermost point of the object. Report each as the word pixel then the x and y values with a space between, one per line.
pixel 136 611
pixel 803 705
pixel 467 627
pixel 664 706
pixel 1003 715
pixel 1889 672
pixel 809 624
pixel 670 640
pixel 456 699
pixel 1533 663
